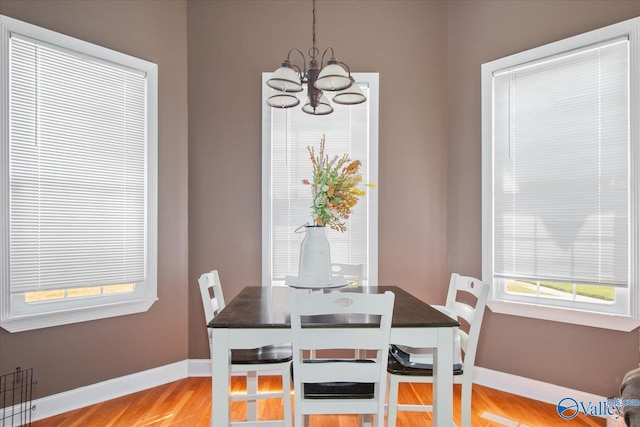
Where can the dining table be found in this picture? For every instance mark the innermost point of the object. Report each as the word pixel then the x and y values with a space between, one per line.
pixel 259 316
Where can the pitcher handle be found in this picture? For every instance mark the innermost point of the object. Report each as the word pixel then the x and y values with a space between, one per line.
pixel 306 224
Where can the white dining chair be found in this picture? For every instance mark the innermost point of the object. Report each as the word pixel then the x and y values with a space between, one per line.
pixel 402 369
pixel 250 361
pixel 340 386
pixel 354 273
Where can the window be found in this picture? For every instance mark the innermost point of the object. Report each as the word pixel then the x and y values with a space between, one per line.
pixel 78 181
pixel 560 173
pixel 285 163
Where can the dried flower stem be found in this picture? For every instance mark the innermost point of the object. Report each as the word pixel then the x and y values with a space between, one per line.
pixel 334 187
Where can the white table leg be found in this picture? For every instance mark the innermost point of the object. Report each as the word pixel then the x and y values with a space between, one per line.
pixel 443 379
pixel 220 377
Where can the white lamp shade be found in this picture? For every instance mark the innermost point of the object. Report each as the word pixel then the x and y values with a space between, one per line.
pixel 285 79
pixel 323 107
pixel 350 96
pixel 333 77
pixel 283 100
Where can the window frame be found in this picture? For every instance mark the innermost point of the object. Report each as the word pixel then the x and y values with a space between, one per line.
pixel 568 313
pixel 372 79
pixel 79 309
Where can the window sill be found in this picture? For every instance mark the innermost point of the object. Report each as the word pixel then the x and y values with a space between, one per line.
pixel 565 315
pixel 46 320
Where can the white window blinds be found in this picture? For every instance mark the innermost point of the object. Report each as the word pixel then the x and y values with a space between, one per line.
pixel 561 153
pixel 346 131
pixel 77 169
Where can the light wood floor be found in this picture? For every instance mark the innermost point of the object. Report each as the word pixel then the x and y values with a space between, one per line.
pixel 188 403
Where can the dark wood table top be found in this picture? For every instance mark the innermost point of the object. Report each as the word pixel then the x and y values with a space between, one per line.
pixel 268 307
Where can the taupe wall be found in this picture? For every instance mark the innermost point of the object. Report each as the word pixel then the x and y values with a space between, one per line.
pixel 67 357
pixel 428 55
pixel 230 44
pixel 582 358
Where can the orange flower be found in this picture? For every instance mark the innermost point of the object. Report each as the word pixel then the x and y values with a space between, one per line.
pixel 330 191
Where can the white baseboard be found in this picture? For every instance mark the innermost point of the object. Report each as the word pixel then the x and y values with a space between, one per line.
pixel 199 367
pixel 532 389
pixel 88 395
pixel 202 368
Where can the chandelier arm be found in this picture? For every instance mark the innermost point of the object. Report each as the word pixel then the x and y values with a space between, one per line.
pixel 346 67
pixel 304 61
pixel 297 68
pixel 324 53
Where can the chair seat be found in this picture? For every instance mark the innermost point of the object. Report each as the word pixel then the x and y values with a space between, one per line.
pixel 262 355
pixel 396 368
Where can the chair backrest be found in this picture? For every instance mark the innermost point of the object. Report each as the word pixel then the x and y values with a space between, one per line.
pixel 354 273
pixel 211 293
pixel 309 336
pixel 459 286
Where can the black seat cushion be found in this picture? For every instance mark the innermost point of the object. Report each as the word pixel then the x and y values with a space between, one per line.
pixel 396 368
pixel 338 390
pixel 261 355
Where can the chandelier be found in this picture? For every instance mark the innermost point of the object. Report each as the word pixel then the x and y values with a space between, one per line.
pixel 334 77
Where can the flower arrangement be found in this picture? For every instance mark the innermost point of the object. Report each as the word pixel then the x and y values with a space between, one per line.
pixel 334 188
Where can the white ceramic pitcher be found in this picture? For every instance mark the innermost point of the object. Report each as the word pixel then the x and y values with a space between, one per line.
pixel 314 269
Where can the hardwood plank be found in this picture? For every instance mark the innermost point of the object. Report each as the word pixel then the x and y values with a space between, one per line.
pixel 187 403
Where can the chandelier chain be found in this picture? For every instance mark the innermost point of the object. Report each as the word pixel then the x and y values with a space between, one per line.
pixel 314 27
